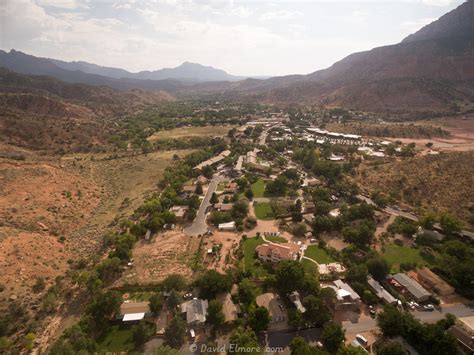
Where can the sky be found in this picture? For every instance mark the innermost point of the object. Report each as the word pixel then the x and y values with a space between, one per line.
pixel 241 37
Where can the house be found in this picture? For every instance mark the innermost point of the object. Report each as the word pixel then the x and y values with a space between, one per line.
pixel 285 202
pixel 308 218
pixel 295 298
pixel 346 296
pixel 223 207
pixel 435 235
pixel 276 252
pixel 189 188
pixel 380 292
pixel 416 291
pixel 311 182
pixel 196 312
pixel 201 179
pixel 213 160
pixel 134 311
pixel 230 187
pixel 273 304
pixel 179 211
pixel 229 226
pixel 432 281
pixel 463 331
pixel 309 207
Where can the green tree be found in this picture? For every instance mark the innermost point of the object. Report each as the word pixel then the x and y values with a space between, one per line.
pixel 5 344
pixel 360 235
pixel 198 190
pixel 390 348
pixel 378 267
pixel 299 230
pixel 141 332
pixel 390 321
pixel 244 339
pixel 259 318
pixel 316 312
pixel 450 224
pixel 289 276
pixel 249 194
pixel 175 332
pixel 247 291
pixel 214 199
pixel 156 303
pixel 174 282
pixel 215 316
pixel 29 341
pixel 211 283
pixel 332 337
pixel 299 346
pixel 104 305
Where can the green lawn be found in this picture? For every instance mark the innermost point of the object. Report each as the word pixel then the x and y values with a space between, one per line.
pixel 258 188
pixel 263 210
pixel 276 239
pixel 396 255
pixel 309 266
pixel 117 338
pixel 319 255
pixel 249 257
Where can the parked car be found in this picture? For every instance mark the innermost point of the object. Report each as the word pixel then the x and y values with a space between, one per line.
pixel 361 339
pixel 428 307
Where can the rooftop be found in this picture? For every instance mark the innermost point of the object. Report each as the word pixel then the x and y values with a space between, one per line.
pixel 411 285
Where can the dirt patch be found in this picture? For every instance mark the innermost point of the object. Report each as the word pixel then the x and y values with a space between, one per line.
pixel 185 132
pixel 21 263
pixel 168 253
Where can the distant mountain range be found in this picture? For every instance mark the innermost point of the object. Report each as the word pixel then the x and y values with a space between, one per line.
pixel 87 73
pixel 430 70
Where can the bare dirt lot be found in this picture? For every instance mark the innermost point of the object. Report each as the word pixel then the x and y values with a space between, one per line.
pixel 168 253
pixel 185 132
pixel 461 139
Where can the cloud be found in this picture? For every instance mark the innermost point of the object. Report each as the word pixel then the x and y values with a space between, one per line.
pixel 280 15
pixel 62 4
pixel 437 3
pixel 415 25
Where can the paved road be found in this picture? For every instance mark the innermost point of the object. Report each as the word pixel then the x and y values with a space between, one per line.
pixel 199 225
pixel 368 324
pixel 261 199
pixel 263 138
pixel 407 215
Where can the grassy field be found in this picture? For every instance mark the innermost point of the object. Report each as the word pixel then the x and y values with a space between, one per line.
pixel 396 255
pixel 264 211
pixel 249 257
pixel 118 338
pixel 276 239
pixel 319 255
pixel 183 132
pixel 258 188
pixel 309 266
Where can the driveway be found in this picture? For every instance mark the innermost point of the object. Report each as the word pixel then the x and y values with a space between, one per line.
pixel 199 225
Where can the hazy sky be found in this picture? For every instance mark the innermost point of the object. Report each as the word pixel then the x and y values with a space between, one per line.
pixel 241 37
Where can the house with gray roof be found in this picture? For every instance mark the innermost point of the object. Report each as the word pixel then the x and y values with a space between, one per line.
pixel 416 291
pixel 196 312
pixel 381 293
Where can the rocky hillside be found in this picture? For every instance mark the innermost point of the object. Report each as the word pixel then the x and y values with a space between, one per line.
pixel 431 70
pixel 43 113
